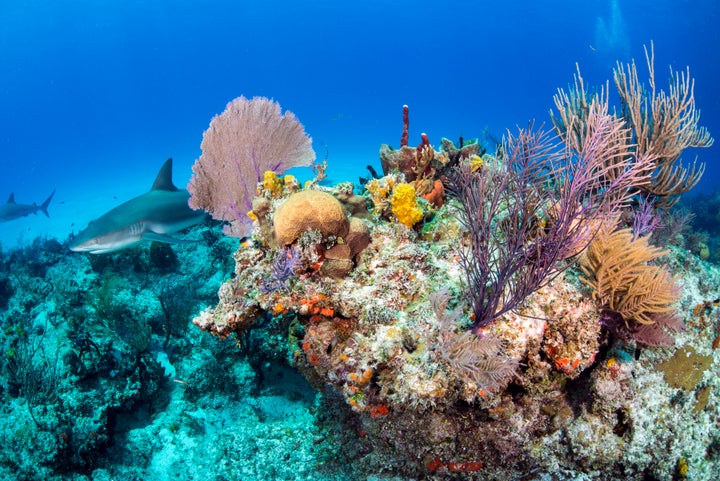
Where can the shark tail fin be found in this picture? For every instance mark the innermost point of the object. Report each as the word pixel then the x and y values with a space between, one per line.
pixel 45 204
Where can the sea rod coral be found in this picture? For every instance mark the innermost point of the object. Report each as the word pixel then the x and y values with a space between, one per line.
pixel 529 215
pixel 663 124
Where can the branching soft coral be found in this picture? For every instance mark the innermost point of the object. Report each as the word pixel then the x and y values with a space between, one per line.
pixel 632 293
pixel 662 124
pixel 529 216
pixel 479 360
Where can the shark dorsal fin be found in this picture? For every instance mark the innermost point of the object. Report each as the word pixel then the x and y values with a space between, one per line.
pixel 11 199
pixel 163 181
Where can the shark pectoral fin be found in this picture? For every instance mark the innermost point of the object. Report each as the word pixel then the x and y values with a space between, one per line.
pixel 154 236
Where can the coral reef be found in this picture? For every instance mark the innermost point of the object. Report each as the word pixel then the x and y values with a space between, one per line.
pixel 432 399
pixel 433 325
pixel 85 347
pixel 463 341
pixel 104 377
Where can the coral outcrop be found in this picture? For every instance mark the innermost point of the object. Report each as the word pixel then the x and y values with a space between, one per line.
pixel 433 399
pixel 385 315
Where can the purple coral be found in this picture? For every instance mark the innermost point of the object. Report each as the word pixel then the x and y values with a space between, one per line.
pixel 247 139
pixel 658 334
pixel 529 215
pixel 646 219
pixel 284 266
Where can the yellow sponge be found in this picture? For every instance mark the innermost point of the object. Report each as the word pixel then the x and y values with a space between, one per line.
pixel 404 205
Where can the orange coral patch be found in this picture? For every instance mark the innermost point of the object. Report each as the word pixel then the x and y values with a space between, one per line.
pixel 379 411
pixel 434 465
pixel 466 467
pixel 311 306
pixel 436 195
pixel 314 359
pixel 361 379
pixel 566 365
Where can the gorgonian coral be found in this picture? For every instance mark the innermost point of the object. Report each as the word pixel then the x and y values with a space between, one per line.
pixel 249 138
pixel 529 214
pixel 636 298
pixel 479 360
pixel 286 262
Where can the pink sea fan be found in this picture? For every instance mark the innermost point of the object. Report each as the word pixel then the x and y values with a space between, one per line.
pixel 247 139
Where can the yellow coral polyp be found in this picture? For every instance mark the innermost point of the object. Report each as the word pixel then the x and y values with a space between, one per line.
pixel 476 162
pixel 272 183
pixel 682 467
pixel 379 190
pixel 291 183
pixel 404 205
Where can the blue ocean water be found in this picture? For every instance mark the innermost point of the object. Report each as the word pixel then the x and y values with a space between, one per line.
pixel 95 95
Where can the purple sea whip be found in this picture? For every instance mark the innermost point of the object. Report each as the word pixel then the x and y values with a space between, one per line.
pixel 531 213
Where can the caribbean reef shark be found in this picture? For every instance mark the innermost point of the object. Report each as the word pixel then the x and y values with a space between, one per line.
pixel 13 210
pixel 149 217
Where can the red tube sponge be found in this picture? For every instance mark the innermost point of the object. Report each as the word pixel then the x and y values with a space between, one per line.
pixel 406 126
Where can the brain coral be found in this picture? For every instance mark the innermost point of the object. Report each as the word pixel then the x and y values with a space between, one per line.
pixel 309 209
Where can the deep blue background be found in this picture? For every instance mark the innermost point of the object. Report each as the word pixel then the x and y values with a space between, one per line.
pixel 95 94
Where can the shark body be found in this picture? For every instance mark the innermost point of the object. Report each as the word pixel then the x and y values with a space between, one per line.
pixel 12 210
pixel 149 217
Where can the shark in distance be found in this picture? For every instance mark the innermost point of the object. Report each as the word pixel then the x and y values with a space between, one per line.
pixel 12 210
pixel 151 216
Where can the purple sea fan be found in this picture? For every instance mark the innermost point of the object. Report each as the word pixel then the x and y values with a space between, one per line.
pixel 249 138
